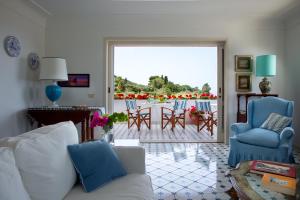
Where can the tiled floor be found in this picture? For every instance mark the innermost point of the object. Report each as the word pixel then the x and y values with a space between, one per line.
pixel 189 171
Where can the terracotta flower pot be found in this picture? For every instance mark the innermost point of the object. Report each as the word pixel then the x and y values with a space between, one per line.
pixel 194 119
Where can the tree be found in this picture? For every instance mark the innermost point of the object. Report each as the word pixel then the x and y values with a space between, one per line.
pixel 187 88
pixel 121 86
pixel 166 80
pixel 156 82
pixel 206 88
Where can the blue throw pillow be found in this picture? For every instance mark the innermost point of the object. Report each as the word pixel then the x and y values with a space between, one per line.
pixel 96 163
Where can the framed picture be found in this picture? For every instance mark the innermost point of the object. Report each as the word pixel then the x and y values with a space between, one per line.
pixel 243 63
pixel 76 80
pixel 243 82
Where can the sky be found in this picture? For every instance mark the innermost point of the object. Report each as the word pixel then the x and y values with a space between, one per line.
pixel 192 66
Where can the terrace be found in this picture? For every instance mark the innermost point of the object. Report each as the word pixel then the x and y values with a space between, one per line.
pixel 156 134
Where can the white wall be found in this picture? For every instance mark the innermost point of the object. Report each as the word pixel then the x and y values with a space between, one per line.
pixel 81 42
pixel 293 71
pixel 19 88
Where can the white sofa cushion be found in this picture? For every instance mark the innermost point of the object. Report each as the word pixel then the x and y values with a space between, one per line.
pixel 13 141
pixel 130 187
pixel 11 186
pixel 43 161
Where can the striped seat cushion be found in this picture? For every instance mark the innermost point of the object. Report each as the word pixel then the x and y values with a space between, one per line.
pixel 276 122
pixel 131 104
pixel 203 106
pixel 179 105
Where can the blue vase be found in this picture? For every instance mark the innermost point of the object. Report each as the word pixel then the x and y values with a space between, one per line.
pixel 53 92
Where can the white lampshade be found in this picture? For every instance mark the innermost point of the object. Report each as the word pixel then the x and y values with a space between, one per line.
pixel 53 69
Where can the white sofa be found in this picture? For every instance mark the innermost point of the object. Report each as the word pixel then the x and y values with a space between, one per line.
pixel 37 166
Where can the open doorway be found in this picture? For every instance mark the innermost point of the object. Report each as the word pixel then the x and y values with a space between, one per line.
pixel 159 74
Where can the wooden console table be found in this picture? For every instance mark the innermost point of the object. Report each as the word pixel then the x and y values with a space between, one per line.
pixel 242 114
pixel 52 115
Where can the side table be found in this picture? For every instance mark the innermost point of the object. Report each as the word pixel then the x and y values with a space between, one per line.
pixel 248 185
pixel 76 114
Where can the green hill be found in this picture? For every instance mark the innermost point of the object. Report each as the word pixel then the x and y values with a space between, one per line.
pixel 157 85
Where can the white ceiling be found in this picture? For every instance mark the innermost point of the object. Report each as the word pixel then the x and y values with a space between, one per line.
pixel 206 8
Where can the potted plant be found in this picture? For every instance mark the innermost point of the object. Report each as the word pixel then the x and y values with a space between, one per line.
pixel 107 122
pixel 194 115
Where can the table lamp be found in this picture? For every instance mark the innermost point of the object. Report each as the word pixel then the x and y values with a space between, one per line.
pixel 265 67
pixel 54 69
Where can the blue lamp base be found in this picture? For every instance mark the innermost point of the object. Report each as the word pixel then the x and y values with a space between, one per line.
pixel 53 92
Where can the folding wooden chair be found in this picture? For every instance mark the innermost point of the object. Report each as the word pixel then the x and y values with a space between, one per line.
pixel 136 115
pixel 208 118
pixel 174 115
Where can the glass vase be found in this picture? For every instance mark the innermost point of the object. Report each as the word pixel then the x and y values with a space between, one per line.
pixel 109 137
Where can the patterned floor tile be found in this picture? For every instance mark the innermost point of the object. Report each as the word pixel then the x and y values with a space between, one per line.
pixel 159 182
pixel 172 187
pixel 180 172
pixel 183 182
pixel 189 171
pixel 158 172
pixel 171 177
pixel 191 167
pixel 198 187
pixel 207 181
pixel 193 177
pixel 201 172
pixel 169 168
pixel 150 168
pixel 162 194
pixel 186 194
pixel 215 196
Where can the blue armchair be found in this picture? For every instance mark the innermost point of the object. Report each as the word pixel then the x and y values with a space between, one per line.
pixel 250 142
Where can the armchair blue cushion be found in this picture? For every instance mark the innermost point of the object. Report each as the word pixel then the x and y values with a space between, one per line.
pixel 250 142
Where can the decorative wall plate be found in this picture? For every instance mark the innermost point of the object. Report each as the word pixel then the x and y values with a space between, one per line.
pixel 12 46
pixel 33 61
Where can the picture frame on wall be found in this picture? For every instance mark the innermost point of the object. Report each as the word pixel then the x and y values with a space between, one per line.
pixel 243 82
pixel 76 80
pixel 243 63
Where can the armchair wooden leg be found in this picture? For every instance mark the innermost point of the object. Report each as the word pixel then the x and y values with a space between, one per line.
pixel 149 119
pixel 139 123
pixel 162 119
pixel 173 123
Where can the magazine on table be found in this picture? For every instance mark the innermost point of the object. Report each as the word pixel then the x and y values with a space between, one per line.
pixel 261 167
pixel 282 184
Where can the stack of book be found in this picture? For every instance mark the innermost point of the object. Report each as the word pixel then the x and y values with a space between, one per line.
pixel 276 176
